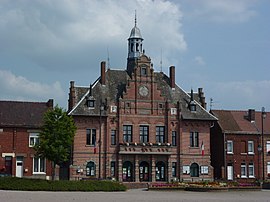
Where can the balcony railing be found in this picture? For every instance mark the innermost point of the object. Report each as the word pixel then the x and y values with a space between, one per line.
pixel 145 148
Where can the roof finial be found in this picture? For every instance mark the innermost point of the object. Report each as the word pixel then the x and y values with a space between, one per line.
pixel 135 18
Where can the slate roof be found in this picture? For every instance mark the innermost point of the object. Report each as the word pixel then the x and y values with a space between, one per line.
pixel 23 114
pixel 232 121
pixel 116 82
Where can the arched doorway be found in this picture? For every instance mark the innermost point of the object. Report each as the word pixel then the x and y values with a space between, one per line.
pixel 144 171
pixel 127 171
pixel 194 170
pixel 160 171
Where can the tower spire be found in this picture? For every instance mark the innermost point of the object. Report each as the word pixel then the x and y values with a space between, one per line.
pixel 135 18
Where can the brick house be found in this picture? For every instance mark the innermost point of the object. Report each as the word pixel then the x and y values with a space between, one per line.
pixel 137 125
pixel 236 142
pixel 20 124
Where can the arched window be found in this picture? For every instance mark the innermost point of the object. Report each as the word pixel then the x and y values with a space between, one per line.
pixel 132 47
pixel 90 169
pixel 137 47
pixel 194 170
pixel 144 171
pixel 127 171
pixel 160 171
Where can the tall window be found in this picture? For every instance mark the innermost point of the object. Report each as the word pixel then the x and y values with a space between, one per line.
pixel 113 137
pixel 173 138
pixel 250 147
pixel 144 134
pixel 33 139
pixel 127 133
pixel 90 136
pixel 229 147
pixel 160 134
pixel 143 71
pixel 174 169
pixel 251 170
pixel 38 165
pixel 268 168
pixel 268 147
pixel 243 170
pixel 194 139
pixel 112 168
pixel 90 169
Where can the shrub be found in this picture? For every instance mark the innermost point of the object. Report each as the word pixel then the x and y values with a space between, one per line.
pixel 12 183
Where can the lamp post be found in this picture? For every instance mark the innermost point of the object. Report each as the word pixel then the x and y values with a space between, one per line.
pixel 263 114
pixel 259 152
pixel 101 108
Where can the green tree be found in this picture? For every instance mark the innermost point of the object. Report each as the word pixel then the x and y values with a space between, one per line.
pixel 56 137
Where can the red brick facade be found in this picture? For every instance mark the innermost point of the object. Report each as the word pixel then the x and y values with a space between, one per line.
pixel 236 140
pixel 16 128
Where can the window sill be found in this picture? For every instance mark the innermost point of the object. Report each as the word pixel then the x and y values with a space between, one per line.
pixel 243 153
pixel 251 153
pixel 39 173
pixel 89 145
pixel 251 177
pixel 244 177
pixel 230 153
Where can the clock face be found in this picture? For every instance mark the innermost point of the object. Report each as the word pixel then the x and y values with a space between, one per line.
pixel 143 90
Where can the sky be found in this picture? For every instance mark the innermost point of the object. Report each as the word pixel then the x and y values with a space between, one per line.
pixel 222 46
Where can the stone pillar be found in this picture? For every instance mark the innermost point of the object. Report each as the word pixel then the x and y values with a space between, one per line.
pixel 153 162
pixel 137 169
pixel 120 165
pixel 169 172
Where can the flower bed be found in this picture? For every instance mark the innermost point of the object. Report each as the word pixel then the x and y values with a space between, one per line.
pixel 204 186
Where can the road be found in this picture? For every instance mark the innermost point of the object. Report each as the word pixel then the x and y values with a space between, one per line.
pixel 135 195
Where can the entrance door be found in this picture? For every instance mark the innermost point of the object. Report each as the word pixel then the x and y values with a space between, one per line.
pixel 127 171
pixel 229 172
pixel 160 171
pixel 8 165
pixel 144 171
pixel 19 166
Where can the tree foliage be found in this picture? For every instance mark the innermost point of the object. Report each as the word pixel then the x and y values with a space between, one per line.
pixel 56 137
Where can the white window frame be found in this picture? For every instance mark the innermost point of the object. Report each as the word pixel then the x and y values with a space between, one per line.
pixel 204 170
pixel 231 143
pixel 251 172
pixel 173 111
pixel 35 137
pixel 251 150
pixel 268 168
pixel 186 170
pixel 244 167
pixel 113 109
pixel 268 147
pixel 38 165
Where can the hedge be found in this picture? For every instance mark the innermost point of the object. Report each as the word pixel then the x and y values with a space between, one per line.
pixel 23 184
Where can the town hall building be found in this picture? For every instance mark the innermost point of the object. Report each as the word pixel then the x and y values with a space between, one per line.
pixel 138 125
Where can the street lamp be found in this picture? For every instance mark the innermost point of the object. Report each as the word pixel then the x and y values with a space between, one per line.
pixel 263 117
pixel 101 109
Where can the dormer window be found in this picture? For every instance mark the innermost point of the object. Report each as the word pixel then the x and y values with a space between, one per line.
pixel 192 107
pixel 91 103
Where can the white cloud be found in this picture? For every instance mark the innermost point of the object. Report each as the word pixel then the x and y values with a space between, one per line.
pixel 241 94
pixel 223 11
pixel 199 60
pixel 60 34
pixel 19 88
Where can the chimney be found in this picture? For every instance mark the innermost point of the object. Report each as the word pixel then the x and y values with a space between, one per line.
pixel 71 100
pixel 102 72
pixel 251 115
pixel 202 97
pixel 172 76
pixel 50 103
